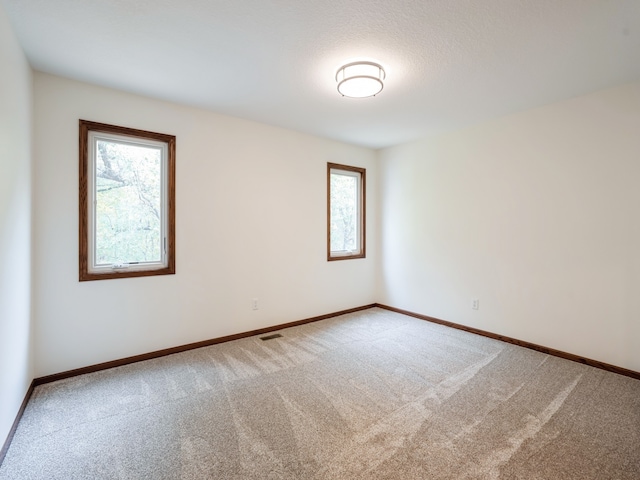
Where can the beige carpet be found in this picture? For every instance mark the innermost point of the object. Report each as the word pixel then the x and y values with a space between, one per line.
pixel 370 395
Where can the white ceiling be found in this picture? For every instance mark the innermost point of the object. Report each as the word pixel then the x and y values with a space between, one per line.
pixel 449 63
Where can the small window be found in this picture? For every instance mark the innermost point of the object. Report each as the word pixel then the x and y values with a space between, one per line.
pixel 345 212
pixel 127 202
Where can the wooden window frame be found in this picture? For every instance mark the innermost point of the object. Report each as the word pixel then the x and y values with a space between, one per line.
pixel 85 127
pixel 362 212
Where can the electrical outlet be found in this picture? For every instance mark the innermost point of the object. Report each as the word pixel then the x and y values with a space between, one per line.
pixel 475 304
pixel 254 304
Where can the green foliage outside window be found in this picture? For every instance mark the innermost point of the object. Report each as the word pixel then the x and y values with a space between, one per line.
pixel 344 212
pixel 128 203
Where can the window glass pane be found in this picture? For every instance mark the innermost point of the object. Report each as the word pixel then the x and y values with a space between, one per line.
pixel 344 212
pixel 128 203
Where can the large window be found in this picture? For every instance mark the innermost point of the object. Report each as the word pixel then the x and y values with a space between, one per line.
pixel 127 202
pixel 345 212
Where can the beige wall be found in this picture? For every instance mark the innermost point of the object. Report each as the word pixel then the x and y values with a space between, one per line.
pixel 16 370
pixel 251 223
pixel 536 214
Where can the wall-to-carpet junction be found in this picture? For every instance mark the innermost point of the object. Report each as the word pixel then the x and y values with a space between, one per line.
pixel 369 395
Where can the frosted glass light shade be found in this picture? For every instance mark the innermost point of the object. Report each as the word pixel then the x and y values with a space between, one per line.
pixel 360 79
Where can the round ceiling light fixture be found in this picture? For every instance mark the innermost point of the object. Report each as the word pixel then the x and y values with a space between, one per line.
pixel 360 79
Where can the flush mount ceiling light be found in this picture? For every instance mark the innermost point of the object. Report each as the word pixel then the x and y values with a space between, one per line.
pixel 360 79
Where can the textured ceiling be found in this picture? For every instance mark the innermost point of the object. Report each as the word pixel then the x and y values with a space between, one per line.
pixel 449 63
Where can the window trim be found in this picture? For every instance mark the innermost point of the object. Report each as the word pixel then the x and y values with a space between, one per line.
pixel 85 217
pixel 331 256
